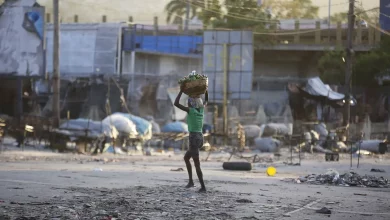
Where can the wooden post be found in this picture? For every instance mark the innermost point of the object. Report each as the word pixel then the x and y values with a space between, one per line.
pixel 48 16
pixel 358 39
pixel 180 26
pixel 371 33
pixel 155 24
pixel 225 91
pixel 76 19
pixel 188 8
pixel 296 36
pixel 349 60
pixel 19 98
pixel 318 33
pixel 377 35
pixel 339 40
pixel 56 64
pixel 104 18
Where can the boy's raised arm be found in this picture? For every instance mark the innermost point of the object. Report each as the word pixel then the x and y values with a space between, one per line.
pixel 177 102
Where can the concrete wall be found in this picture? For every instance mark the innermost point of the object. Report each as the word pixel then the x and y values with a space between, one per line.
pixel 158 64
pixel 21 38
pixel 285 63
pixel 178 65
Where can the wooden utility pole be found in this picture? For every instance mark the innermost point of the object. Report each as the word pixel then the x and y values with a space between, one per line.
pixel 56 64
pixel 187 16
pixel 330 3
pixel 348 72
pixel 225 92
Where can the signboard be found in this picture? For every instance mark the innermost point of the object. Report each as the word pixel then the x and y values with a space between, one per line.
pixel 21 38
pixel 240 70
pixel 384 17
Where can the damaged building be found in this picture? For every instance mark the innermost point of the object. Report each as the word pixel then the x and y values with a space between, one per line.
pixel 136 67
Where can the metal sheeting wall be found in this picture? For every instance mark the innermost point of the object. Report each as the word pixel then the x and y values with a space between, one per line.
pixel 240 55
pixel 85 49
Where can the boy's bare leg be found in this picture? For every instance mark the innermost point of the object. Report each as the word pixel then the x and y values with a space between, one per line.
pixel 199 173
pixel 187 158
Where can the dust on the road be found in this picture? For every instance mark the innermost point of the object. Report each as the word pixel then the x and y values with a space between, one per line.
pixel 162 202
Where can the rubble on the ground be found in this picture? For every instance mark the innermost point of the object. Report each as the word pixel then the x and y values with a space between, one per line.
pixel 324 210
pixel 378 170
pixel 332 177
pixel 162 202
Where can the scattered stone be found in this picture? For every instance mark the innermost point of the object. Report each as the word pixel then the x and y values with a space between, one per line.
pixel 244 201
pixel 286 215
pixel 178 169
pixel 366 214
pixel 5 217
pixel 347 179
pixel 378 170
pixel 26 218
pixel 360 194
pixel 68 177
pixel 130 203
pixel 324 211
pixel 102 213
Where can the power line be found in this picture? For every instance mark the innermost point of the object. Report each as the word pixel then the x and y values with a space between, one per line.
pixel 266 33
pixel 260 8
pixel 228 29
pixel 238 16
pixel 372 25
pixel 375 27
pixel 233 15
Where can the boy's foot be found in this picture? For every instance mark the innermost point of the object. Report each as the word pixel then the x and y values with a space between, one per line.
pixel 202 190
pixel 190 184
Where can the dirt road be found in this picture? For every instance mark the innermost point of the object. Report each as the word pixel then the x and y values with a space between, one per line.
pixel 65 186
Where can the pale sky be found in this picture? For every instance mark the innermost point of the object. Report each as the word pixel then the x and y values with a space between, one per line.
pixel 337 6
pixel 144 10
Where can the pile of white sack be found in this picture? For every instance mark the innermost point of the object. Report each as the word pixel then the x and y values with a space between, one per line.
pixel 122 124
pixel 261 136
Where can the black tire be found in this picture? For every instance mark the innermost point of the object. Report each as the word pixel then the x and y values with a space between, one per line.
pixel 243 166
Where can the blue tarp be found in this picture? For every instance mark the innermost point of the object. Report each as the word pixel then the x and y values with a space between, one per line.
pixel 177 127
pixel 207 127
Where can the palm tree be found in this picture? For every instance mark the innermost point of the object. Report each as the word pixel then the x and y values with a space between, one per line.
pixel 176 10
pixel 244 14
pixel 371 16
pixel 295 9
pixel 209 12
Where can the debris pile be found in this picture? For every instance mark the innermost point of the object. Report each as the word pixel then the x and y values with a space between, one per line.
pixel 332 177
pixel 162 202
